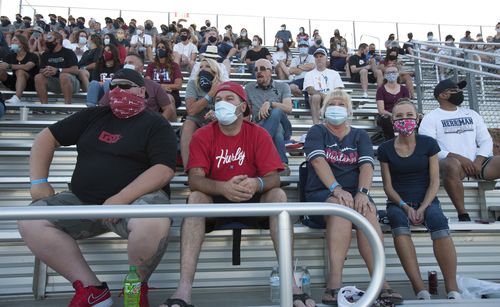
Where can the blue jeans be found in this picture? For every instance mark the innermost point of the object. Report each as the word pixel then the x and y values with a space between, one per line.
pixel 280 129
pixel 95 92
pixel 2 109
pixel 434 220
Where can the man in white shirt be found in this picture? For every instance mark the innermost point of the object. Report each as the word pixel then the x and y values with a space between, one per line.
pixel 142 44
pixel 466 145
pixel 185 51
pixel 299 67
pixel 320 81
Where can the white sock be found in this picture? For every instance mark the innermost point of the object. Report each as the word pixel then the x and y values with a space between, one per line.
pixel 423 295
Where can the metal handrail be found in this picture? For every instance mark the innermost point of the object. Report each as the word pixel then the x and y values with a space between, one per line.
pixel 226 210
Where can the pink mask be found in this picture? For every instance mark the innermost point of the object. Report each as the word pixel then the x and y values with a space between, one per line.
pixel 124 104
pixel 405 126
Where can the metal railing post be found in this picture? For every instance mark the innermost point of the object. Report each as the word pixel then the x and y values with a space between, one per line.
pixel 471 85
pixel 310 29
pixel 439 32
pixel 354 34
pixel 285 259
pixel 455 62
pixel 418 77
pixel 264 29
pixel 397 31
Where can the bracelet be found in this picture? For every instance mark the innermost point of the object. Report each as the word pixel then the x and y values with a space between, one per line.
pixel 261 184
pixel 402 203
pixel 38 181
pixel 208 98
pixel 333 186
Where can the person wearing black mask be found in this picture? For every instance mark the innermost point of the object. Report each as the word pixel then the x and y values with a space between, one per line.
pixel 318 42
pixel 166 72
pixel 80 23
pixel 7 28
pixel 151 30
pixel 58 70
pixel 26 22
pixel 185 51
pixel 225 50
pixel 465 143
pixel 19 21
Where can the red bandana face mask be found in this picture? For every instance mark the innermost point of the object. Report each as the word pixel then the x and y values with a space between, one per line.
pixel 124 104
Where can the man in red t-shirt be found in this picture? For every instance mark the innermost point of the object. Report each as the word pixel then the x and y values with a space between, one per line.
pixel 231 160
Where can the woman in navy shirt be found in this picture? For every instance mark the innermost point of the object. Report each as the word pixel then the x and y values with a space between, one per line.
pixel 410 171
pixel 340 163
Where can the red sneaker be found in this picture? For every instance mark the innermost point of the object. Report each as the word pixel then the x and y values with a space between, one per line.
pixel 91 296
pixel 143 301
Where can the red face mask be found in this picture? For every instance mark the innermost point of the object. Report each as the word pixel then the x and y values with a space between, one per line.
pixel 124 104
pixel 108 56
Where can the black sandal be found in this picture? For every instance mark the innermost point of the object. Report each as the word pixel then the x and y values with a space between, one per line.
pixel 177 301
pixel 334 293
pixel 301 297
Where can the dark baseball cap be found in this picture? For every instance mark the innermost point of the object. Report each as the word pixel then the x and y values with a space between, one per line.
pixel 320 50
pixel 445 85
pixel 126 75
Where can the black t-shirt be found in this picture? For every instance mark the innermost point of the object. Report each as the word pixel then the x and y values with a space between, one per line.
pixel 101 68
pixel 90 56
pixel 254 56
pixel 113 152
pixel 243 42
pixel 410 175
pixel 29 57
pixel 357 61
pixel 65 58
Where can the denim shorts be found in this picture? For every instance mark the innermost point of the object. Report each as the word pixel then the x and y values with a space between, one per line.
pixel 434 220
pixel 85 228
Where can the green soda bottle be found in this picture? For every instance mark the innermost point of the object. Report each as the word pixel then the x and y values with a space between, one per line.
pixel 132 288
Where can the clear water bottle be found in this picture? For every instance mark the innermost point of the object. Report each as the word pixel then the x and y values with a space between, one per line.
pixel 274 285
pixel 306 281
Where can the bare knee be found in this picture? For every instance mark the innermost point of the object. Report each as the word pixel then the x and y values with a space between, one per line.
pixel 197 197
pixel 363 72
pixel 27 227
pixel 451 169
pixel 275 195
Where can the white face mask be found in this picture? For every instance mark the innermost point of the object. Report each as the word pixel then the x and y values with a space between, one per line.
pixel 283 28
pixel 429 37
pixel 336 115
pixel 255 43
pixel 106 41
pixel 82 40
pixel 225 112
pixel 243 33
pixel 139 32
pixel 129 66
pixel 280 45
pixel 498 30
pixel 303 50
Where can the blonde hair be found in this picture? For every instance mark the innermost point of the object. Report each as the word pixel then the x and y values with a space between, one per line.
pixel 337 94
pixel 405 101
pixel 214 67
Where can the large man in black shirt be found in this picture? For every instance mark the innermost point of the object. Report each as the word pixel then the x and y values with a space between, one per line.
pixel 126 155
pixel 59 68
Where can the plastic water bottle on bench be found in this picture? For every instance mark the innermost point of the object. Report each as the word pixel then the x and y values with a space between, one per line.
pixel 274 285
pixel 306 281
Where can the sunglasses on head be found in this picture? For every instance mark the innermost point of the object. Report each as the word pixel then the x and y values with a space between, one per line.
pixel 123 86
pixel 261 68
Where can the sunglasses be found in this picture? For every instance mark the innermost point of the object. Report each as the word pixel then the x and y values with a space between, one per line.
pixel 123 86
pixel 261 69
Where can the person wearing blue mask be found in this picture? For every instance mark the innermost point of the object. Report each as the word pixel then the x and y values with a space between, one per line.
pixel 301 64
pixel 231 161
pixel 340 170
pixel 24 66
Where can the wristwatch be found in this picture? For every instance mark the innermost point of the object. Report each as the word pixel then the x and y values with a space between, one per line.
pixel 364 191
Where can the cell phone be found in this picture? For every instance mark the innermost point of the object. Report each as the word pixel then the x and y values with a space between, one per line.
pixel 485 221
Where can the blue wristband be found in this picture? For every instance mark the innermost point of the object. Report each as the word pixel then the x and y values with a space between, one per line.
pixel 402 203
pixel 38 181
pixel 333 186
pixel 261 184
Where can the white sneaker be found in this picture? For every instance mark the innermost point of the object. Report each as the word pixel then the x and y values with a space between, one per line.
pixel 423 295
pixel 365 95
pixel 13 100
pixel 454 295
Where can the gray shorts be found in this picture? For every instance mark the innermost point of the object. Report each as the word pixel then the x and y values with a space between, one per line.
pixel 54 84
pixel 83 228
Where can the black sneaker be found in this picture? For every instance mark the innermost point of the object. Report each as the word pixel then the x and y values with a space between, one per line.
pixel 464 217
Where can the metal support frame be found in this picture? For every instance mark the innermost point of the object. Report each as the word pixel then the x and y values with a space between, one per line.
pixel 418 78
pixel 471 85
pixel 226 210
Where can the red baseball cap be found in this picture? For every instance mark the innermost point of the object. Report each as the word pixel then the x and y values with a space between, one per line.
pixel 232 87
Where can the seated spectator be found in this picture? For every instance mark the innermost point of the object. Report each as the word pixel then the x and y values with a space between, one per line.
pixel 391 42
pixel 466 39
pixel 19 21
pixel 142 44
pixel 80 25
pixel 319 82
pixel 387 96
pixel 165 35
pixel 58 70
pixel 24 66
pixel 36 40
pixel 270 102
pixel 96 28
pixel 372 54
pixel 257 52
pixel 89 60
pixel 405 75
pixel 431 45
pixel 200 93
pixel 242 43
pixel 166 72
pixel 408 46
pixel 282 58
pixel 252 177
pixel 338 52
pixel 445 72
pixel 185 51
pixel 230 34
pixel 411 181
pixel 302 36
pixel 362 71
pixel 126 155
pixel 102 74
pixel 340 170
pixel 285 36
pixel 121 39
pixel 157 99
pixel 108 28
pixel 301 64
pixel 79 43
pixel 466 145
pixel 65 34
pixel 109 39
pixel 225 51
pixel 7 28
pixel 318 43
pixel 312 39
pixel 210 53
pixel 150 29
